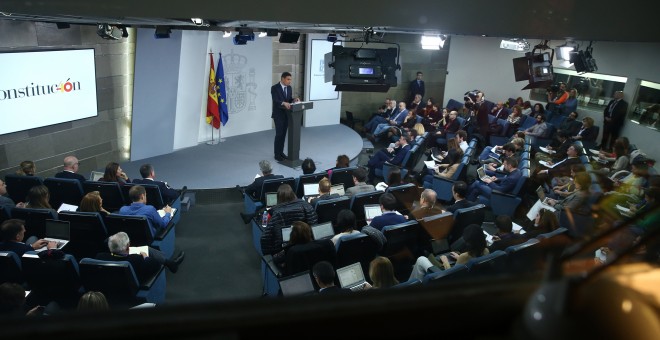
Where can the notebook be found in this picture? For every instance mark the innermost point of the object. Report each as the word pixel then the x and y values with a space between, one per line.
pixel 286 235
pixel 67 207
pixel 298 284
pixel 57 231
pixel 351 277
pixel 271 199
pixel 337 189
pixel 95 176
pixel 371 211
pixel 481 172
pixel 323 231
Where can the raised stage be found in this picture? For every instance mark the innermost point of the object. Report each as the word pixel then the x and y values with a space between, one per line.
pixel 236 160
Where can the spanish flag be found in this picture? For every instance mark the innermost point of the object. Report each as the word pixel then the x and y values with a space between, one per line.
pixel 212 113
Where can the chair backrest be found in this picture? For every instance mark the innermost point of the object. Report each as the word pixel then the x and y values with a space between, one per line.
pixel 300 258
pixel 52 279
pixel 64 190
pixel 405 195
pixel 271 185
pixel 549 131
pixel 136 226
pixel 555 232
pixel 578 225
pixel 154 196
pixel 359 200
pixel 494 263
pixel 35 220
pixel 115 279
pixel 113 198
pixel 458 271
pixel 5 213
pixel 521 181
pixel 18 186
pixel 438 226
pixel 343 176
pixel 306 179
pixel 88 233
pixel 401 238
pixel 360 248
pixel 453 104
pixel 11 269
pixel 524 257
pixel 464 217
pixel 327 210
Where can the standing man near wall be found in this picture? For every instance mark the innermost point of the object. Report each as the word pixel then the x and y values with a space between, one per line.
pixel 613 118
pixel 416 87
pixel 282 99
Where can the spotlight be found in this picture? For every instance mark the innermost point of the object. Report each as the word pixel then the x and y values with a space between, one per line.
pixel 271 32
pixel 227 34
pixel 583 60
pixel 262 34
pixel 124 32
pixel 564 52
pixel 162 32
pixel 242 39
pixel 108 32
pixel 332 37
pixel 433 42
pixel 197 21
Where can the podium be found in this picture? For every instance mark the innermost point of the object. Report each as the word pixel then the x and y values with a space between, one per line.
pixel 294 117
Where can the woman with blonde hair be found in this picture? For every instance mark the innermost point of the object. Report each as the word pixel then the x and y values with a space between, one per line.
pixel 93 302
pixel 381 273
pixel 26 168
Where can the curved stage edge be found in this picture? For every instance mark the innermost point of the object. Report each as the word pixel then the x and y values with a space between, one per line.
pixel 236 160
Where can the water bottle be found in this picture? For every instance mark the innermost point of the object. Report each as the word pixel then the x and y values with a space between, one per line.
pixel 264 218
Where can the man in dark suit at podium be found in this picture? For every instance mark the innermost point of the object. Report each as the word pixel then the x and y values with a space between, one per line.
pixel 282 98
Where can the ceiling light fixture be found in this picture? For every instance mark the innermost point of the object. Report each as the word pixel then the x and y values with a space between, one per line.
pixel 433 42
pixel 262 34
pixel 197 21
pixel 332 37
pixel 515 44
pixel 227 34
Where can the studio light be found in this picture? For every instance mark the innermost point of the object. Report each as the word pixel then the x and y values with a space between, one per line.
pixel 583 60
pixel 288 37
pixel 332 37
pixel 433 42
pixel 197 21
pixel 262 34
pixel 124 32
pixel 242 39
pixel 564 52
pixel 227 34
pixel 108 32
pixel 515 44
pixel 272 32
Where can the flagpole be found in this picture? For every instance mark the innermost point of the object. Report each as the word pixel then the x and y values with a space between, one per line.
pixel 212 141
pixel 220 139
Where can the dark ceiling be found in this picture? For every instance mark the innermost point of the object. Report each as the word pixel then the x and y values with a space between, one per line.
pixel 605 20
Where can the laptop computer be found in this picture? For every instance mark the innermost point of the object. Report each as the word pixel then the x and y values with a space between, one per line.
pixel 298 284
pixel 323 231
pixel 310 190
pixel 541 193
pixel 57 231
pixel 271 199
pixel 286 235
pixel 351 277
pixel 371 211
pixel 337 189
pixel 95 176
pixel 481 172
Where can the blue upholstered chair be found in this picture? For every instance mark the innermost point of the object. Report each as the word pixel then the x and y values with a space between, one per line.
pixel 64 190
pixel 52 279
pixel 141 233
pixel 358 201
pixel 437 275
pixel 11 269
pixel 18 186
pixel 113 198
pixel 35 220
pixel 88 233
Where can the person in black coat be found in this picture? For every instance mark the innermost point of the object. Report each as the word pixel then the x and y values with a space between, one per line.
pixel 254 189
pixel 324 275
pixel 459 191
pixel 613 118
pixel 71 165
pixel 416 87
pixel 282 95
pixel 144 266
pixel 148 177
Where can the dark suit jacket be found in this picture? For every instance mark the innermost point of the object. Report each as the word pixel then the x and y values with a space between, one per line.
pixel 451 127
pixel 278 96
pixel 416 88
pixel 399 154
pixel 323 198
pixel 144 268
pixel 254 189
pixel 563 169
pixel 618 113
pixel 19 248
pixel 589 134
pixel 460 205
pixel 387 219
pixel 169 194
pixel 507 183
pixel 561 151
pixel 507 240
pixel 70 175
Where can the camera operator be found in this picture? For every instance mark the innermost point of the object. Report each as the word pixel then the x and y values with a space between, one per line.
pixel 478 112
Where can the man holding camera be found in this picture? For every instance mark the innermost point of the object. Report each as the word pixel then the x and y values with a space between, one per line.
pixel 473 102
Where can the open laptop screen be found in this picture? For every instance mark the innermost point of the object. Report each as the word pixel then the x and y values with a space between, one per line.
pixel 371 211
pixel 58 229
pixel 95 176
pixel 297 284
pixel 323 230
pixel 271 199
pixel 310 189
pixel 540 193
pixel 337 189
pixel 351 275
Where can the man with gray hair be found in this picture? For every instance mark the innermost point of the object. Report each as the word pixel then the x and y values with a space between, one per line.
pixel 254 189
pixel 145 265
pixel 71 165
pixel 427 205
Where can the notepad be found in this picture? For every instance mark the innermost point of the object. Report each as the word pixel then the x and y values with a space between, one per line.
pixel 139 250
pixel 547 164
pixel 546 150
pixel 67 207
pixel 534 211
pixel 162 213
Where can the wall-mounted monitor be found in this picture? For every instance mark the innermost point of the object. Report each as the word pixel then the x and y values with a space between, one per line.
pixel 41 88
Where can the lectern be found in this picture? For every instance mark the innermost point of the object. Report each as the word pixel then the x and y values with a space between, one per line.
pixel 294 116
